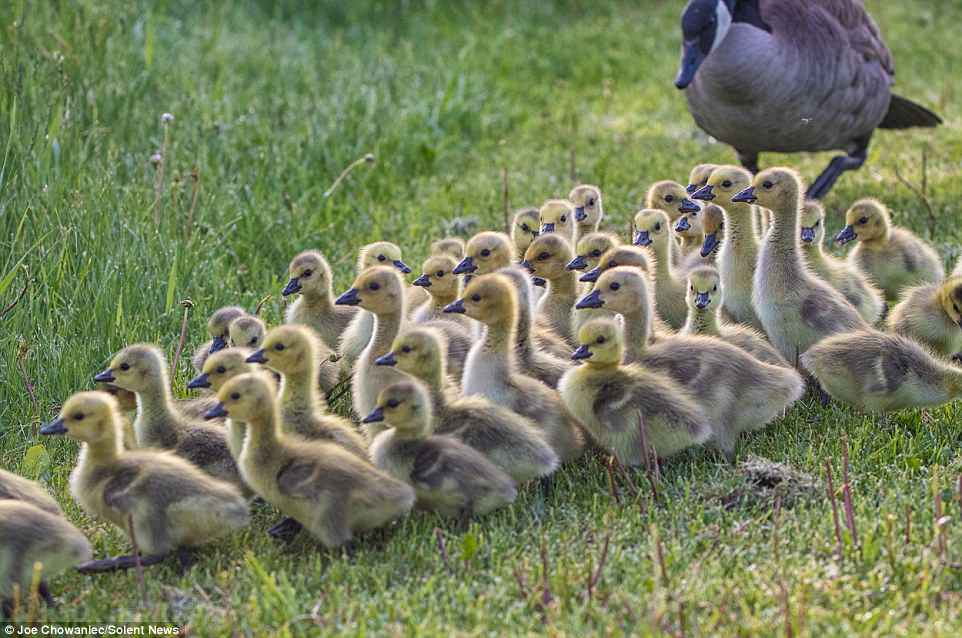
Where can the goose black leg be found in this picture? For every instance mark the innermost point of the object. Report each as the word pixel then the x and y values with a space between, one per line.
pixel 118 563
pixel 44 592
pixel 749 160
pixel 836 167
pixel 6 608
pixel 285 530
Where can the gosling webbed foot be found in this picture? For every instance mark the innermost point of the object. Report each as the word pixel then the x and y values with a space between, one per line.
pixel 118 563
pixel 285 530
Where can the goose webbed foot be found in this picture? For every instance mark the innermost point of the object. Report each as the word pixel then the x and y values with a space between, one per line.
pixel 839 164
pixel 118 563
pixel 285 530
pixel 748 160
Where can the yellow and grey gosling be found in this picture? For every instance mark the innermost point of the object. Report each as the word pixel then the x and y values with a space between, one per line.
pixel 453 247
pixel 547 258
pixel 220 368
pixel 558 216
pixel 142 369
pixel 165 501
pixel 708 367
pixel 797 309
pixel 359 331
pixel 438 278
pixel 880 372
pixel 615 401
pixel 448 477
pixel 491 369
pixel 705 299
pixel 485 253
pixel 328 490
pixel 738 254
pixel 841 274
pixel 507 439
pixel 17 488
pixel 295 352
pixel 311 278
pixel 525 226
pixel 217 328
pixel 652 231
pixel 588 209
pixel 932 315
pixel 30 535
pixel 590 249
pixel 894 257
pixel 672 199
pixel 626 290
pixel 380 291
pixel 246 332
pixel 713 226
pixel 698 177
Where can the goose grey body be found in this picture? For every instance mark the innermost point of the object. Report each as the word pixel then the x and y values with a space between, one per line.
pixel 788 76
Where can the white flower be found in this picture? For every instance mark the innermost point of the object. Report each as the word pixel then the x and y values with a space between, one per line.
pixel 156 158
pixel 167 118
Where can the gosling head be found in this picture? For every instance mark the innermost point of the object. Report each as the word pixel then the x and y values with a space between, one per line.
pixel 699 177
pixel 126 400
pixel 437 276
pixel 652 228
pixel 548 256
pixel 381 253
pixel 450 246
pixel 867 220
pixel 950 296
pixel 137 368
pixel 246 332
pixel 812 224
pixel 310 275
pixel 90 417
pixel 623 290
pixel 703 289
pixel 379 290
pixel 704 25
pixel 587 203
pixel 713 225
pixel 688 226
pixel 246 397
pixel 600 343
pixel 557 216
pixel 417 351
pixel 490 299
pixel 778 189
pixel 524 228
pixel 590 249
pixel 289 349
pixel 221 367
pixel 485 253
pixel 634 256
pixel 218 326
pixel 724 183
pixel 670 197
pixel 406 407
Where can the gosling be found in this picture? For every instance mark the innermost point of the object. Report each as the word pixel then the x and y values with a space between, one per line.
pixel 652 230
pixel 547 257
pixel 932 315
pixel 220 368
pixel 438 278
pixel 588 209
pixel 217 328
pixel 310 276
pixel 558 216
pixel 524 228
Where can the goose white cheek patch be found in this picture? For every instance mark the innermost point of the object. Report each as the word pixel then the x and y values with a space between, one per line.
pixel 723 20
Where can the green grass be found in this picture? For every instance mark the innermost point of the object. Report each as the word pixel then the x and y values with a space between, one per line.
pixel 270 104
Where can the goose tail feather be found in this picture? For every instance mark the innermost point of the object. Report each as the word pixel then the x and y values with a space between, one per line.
pixel 904 113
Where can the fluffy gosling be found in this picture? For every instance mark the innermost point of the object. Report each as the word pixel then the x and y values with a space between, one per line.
pixel 652 230
pixel 588 209
pixel 932 315
pixel 218 328
pixel 547 258
pixel 524 228
pixel 310 276
pixel 220 368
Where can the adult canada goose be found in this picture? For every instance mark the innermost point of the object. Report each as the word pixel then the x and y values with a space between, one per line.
pixel 789 76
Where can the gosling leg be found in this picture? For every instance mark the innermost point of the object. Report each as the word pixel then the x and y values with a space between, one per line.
pixel 118 563
pixel 836 167
pixel 285 530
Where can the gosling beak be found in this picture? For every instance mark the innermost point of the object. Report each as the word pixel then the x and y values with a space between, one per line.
pixel 580 214
pixel 710 244
pixel 846 235
pixel 691 188
pixel 581 353
pixel 578 263
pixel 691 59
pixel 294 285
pixel 200 381
pixel 682 224
pixel 456 307
pixel 591 276
pixel 591 300
pixel 642 238
pixel 465 266
pixel 107 376
pixel 403 267
pixel 386 360
pixel 216 412
pixel 808 234
pixel 701 300
pixel 56 426
pixel 706 193
pixel 747 195
pixel 257 357
pixel 217 344
pixel 424 281
pixel 688 206
pixel 374 417
pixel 547 228
pixel 349 298
pixel 539 282
pixel 527 265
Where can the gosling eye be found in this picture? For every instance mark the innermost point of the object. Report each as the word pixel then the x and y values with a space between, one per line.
pixel 817 222
pixel 669 198
pixel 564 218
pixel 721 226
pixel 220 370
pixel 694 214
pixel 393 403
pixel 79 416
pixel 614 286
pixel 406 349
pixel 863 220
pixel 658 227
pixel 612 264
pixel 125 366
pixel 727 183
pixel 475 297
pixel 307 273
pixel 234 396
pixel 486 253
pixel 715 288
pixel 439 274
pixel 374 286
pixel 278 346
pixel 381 258
pixel 767 185
pixel 543 256
pixel 600 340
pixel 525 227
pixel 956 306
pixel 693 288
pixel 252 342
pixel 591 201
pixel 596 253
